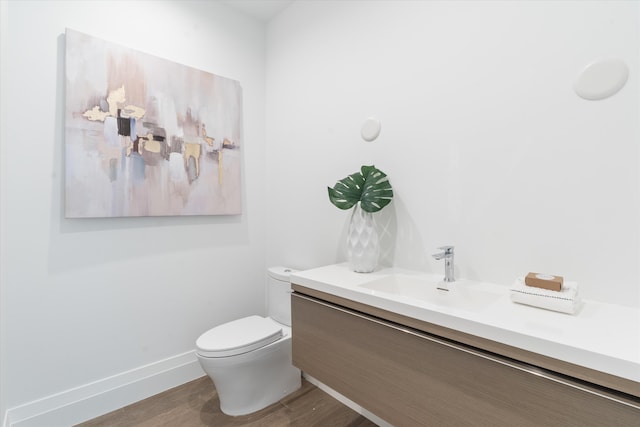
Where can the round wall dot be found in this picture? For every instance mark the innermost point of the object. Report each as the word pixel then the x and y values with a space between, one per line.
pixel 370 129
pixel 601 79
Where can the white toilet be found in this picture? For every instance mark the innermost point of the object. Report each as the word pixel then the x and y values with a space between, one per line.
pixel 249 359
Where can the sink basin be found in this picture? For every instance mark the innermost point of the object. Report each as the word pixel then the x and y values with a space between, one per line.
pixel 462 294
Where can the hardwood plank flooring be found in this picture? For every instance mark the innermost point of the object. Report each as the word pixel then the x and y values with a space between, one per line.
pixel 196 404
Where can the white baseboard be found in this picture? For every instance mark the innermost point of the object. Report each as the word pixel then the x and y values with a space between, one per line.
pixel 91 400
pixel 347 402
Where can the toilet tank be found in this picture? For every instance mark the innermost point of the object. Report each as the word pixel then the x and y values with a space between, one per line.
pixel 279 294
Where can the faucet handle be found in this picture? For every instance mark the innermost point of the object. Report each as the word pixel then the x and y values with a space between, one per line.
pixel 448 250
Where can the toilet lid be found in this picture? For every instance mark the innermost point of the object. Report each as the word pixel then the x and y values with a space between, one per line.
pixel 239 336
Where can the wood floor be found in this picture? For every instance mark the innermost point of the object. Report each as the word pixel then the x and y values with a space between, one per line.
pixel 196 404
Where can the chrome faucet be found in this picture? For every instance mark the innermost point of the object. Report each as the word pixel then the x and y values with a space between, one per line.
pixel 447 255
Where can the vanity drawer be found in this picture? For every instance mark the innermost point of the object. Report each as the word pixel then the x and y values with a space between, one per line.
pixel 409 377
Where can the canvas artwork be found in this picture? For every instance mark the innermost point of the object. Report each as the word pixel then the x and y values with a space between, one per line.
pixel 146 136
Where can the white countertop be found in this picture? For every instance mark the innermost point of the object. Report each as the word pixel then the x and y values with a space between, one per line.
pixel 600 336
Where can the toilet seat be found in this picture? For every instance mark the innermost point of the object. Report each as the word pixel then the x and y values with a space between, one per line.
pixel 239 336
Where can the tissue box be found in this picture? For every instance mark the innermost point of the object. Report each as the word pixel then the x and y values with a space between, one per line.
pixel 544 281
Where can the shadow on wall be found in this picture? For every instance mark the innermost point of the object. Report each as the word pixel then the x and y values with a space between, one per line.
pixel 409 251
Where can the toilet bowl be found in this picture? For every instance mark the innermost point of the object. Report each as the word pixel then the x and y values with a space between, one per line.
pixel 249 359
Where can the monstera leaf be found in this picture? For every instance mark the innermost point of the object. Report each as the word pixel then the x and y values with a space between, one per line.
pixel 370 187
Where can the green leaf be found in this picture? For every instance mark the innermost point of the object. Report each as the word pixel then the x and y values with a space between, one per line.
pixel 370 187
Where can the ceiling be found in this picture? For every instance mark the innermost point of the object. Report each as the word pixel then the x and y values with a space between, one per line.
pixel 263 10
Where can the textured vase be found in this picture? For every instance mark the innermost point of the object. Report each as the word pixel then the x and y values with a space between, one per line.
pixel 363 244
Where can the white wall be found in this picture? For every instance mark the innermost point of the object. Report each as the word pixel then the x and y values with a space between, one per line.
pixel 486 144
pixel 83 300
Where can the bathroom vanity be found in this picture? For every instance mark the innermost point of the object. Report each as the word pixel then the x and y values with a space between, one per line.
pixel 414 355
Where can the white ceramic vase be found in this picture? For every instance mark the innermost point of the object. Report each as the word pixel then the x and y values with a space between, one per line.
pixel 363 244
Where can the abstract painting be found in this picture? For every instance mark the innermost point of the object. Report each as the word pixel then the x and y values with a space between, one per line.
pixel 146 136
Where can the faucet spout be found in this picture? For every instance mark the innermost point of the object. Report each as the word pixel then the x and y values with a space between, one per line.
pixel 447 255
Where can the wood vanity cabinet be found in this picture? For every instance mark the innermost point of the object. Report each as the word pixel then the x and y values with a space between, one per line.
pixel 410 377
